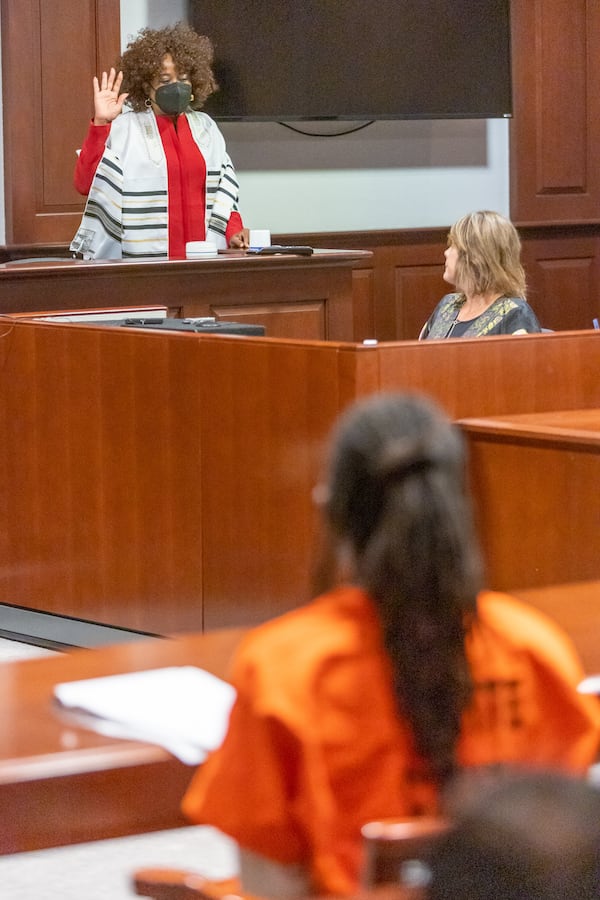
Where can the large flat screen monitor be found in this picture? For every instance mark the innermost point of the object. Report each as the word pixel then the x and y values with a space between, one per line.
pixel 350 59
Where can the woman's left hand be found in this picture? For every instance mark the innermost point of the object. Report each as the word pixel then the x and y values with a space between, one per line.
pixel 241 240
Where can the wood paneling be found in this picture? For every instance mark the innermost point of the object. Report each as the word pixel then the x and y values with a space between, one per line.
pixel 555 130
pixel 562 265
pixel 47 104
pixel 394 287
pixel 363 296
pixel 518 374
pixel 399 286
pixel 533 477
pixel 162 481
pixel 576 608
pixel 293 296
pixel 261 455
pixel 306 321
pixel 102 474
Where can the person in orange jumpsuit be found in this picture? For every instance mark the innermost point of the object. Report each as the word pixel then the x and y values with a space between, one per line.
pixel 367 701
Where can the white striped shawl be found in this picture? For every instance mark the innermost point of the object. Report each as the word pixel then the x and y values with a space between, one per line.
pixel 126 213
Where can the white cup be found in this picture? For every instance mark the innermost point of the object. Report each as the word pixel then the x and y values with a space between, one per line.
pixel 200 250
pixel 260 237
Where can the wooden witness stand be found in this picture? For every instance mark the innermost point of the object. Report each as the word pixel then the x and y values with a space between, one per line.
pixel 292 296
pixel 161 482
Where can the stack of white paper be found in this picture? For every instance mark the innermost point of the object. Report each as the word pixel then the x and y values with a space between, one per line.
pixel 182 708
pixel 590 685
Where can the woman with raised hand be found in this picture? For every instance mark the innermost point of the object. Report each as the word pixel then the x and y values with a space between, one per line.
pixel 154 167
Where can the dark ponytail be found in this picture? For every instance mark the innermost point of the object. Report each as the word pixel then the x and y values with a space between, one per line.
pixel 397 494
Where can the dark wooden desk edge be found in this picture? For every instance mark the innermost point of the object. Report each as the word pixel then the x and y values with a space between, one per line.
pixel 232 260
pixel 540 428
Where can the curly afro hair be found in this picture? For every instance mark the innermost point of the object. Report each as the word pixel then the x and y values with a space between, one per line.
pixel 141 62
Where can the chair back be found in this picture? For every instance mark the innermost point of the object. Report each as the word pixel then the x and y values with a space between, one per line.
pixel 396 850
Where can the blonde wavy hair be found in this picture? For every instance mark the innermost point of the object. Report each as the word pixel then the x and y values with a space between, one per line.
pixel 489 255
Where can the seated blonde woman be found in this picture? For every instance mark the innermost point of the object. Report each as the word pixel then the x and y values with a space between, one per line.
pixel 483 262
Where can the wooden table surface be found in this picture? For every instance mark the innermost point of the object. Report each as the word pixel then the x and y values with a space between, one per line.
pixel 61 783
pixel 571 426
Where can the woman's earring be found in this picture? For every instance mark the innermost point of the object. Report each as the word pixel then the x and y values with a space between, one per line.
pixel 148 102
pixel 191 97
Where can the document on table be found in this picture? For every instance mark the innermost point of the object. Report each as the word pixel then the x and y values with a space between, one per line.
pixel 183 708
pixel 589 685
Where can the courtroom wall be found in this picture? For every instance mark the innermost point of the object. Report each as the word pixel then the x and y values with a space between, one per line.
pixel 390 175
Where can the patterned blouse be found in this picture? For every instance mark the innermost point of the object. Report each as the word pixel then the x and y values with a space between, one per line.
pixel 506 315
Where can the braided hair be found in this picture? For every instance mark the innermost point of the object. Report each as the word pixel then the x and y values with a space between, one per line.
pixel 396 494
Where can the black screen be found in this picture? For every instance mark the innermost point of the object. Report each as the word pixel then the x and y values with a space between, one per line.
pixel 282 60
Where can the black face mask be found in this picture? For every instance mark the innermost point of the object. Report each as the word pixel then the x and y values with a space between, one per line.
pixel 173 98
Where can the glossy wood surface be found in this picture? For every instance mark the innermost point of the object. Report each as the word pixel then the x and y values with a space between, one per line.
pixel 564 426
pixel 162 482
pixel 61 783
pixel 576 608
pixel 292 296
pixel 146 472
pixel 534 479
pixel 498 375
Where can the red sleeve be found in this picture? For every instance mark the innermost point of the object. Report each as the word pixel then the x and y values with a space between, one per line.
pixel 89 156
pixel 234 226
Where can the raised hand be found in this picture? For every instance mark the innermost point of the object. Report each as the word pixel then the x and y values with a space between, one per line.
pixel 108 102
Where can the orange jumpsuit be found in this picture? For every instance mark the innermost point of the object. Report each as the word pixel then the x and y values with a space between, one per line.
pixel 316 746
